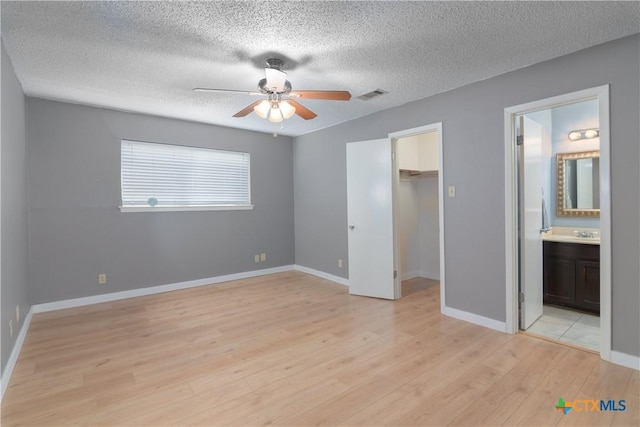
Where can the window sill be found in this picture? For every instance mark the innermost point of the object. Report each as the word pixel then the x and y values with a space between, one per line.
pixel 185 208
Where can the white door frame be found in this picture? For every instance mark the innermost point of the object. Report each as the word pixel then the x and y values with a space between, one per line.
pixel 434 127
pixel 601 93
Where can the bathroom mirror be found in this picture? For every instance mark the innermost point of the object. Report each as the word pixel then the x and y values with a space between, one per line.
pixel 578 189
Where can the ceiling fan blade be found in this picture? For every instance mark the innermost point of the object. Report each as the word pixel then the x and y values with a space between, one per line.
pixel 330 95
pixel 246 110
pixel 206 89
pixel 301 110
pixel 275 79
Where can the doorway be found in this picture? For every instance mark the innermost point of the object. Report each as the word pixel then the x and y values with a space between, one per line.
pixel 418 207
pixel 558 160
pixel 373 179
pixel 558 277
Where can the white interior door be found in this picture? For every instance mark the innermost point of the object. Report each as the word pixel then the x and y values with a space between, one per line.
pixel 531 223
pixel 370 218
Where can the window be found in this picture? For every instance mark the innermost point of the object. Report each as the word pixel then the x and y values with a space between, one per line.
pixel 164 177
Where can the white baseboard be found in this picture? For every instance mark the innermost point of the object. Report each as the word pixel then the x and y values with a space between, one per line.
pixel 95 299
pixel 430 275
pixel 625 359
pixel 322 274
pixel 476 319
pixel 13 358
pixel 423 274
pixel 411 275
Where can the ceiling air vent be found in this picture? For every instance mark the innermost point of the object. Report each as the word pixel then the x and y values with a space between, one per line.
pixel 372 94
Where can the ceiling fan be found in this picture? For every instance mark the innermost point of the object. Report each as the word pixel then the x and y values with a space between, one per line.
pixel 281 103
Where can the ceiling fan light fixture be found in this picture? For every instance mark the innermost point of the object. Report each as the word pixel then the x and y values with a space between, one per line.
pixel 287 109
pixel 276 115
pixel 262 109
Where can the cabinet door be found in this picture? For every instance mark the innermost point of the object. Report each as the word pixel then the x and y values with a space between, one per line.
pixel 588 285
pixel 559 280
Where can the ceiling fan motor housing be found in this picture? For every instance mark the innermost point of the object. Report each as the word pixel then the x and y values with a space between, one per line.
pixel 262 86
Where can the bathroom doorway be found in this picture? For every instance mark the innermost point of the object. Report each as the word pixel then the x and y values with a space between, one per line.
pixel 418 209
pixel 558 163
pixel 558 219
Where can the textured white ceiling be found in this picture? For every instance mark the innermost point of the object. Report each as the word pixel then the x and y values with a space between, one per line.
pixel 147 56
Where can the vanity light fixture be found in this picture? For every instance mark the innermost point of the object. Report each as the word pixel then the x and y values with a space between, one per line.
pixel 576 135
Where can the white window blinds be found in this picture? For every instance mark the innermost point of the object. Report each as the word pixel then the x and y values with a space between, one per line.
pixel 172 176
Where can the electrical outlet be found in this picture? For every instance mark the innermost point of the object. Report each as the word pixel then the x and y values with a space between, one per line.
pixel 339 263
pixel 263 257
pixel 11 328
pixel 17 313
pixel 102 279
pixel 256 258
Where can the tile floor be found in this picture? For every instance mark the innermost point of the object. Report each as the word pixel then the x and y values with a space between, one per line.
pixel 568 326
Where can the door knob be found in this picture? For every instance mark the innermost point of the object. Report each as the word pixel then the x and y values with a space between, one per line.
pixel 351 227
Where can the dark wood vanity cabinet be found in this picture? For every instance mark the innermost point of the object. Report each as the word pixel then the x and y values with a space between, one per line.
pixel 572 275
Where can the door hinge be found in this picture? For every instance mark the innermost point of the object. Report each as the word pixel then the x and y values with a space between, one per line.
pixel 395 274
pixel 521 297
pixel 519 140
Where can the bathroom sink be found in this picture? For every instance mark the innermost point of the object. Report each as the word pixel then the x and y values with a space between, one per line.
pixel 589 236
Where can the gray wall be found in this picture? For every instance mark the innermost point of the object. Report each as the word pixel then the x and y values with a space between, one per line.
pixel 77 230
pixel 15 249
pixel 473 132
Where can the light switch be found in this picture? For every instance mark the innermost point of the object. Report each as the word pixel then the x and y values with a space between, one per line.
pixel 452 191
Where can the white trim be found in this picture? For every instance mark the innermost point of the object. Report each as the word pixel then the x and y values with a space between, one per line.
pixel 510 222
pixel 475 319
pixel 416 131
pixel 13 358
pixel 395 208
pixel 4 377
pixel 624 359
pixel 429 275
pixel 422 274
pixel 409 276
pixel 443 303
pixel 322 274
pixel 185 208
pixel 511 270
pixel 605 222
pixel 95 299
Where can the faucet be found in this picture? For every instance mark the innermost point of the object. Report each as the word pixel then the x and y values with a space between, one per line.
pixel 589 234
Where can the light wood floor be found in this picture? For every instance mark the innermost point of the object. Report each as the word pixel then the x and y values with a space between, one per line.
pixel 291 349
